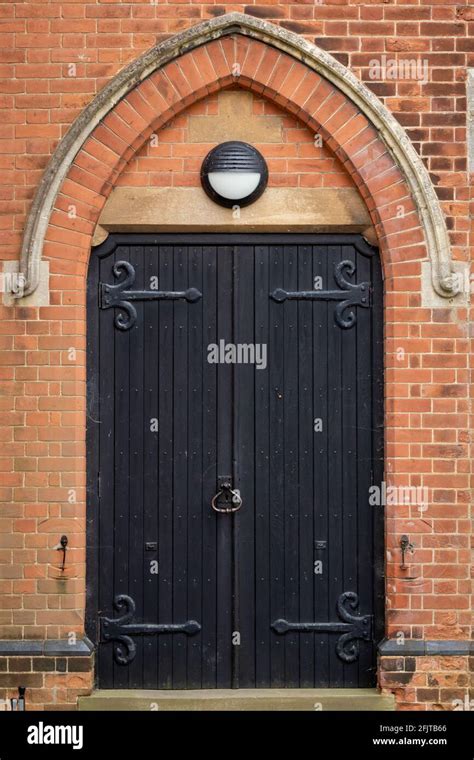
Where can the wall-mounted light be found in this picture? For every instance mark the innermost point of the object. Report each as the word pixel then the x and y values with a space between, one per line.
pixel 234 173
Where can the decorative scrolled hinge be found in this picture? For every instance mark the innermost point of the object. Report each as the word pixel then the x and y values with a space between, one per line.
pixel 352 627
pixel 117 296
pixel 121 629
pixel 349 295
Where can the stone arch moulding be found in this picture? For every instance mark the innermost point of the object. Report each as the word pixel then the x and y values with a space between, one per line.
pixel 397 146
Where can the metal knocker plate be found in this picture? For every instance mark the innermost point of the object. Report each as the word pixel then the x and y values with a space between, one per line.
pixel 232 501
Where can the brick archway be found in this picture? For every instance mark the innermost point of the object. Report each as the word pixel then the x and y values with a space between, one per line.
pixel 256 66
pixel 280 65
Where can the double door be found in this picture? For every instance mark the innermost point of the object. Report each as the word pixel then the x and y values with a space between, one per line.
pixel 234 413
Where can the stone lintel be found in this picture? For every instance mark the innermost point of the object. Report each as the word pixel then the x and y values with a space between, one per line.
pixel 179 209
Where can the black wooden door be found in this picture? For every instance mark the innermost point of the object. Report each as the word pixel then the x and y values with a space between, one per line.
pixel 221 364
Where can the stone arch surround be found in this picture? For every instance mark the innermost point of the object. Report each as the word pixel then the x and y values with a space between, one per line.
pixel 284 68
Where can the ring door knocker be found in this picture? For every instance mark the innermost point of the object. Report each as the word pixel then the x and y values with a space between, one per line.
pixel 227 499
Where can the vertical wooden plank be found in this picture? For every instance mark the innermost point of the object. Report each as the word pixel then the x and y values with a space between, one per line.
pixel 291 486
pixel 277 468
pixel 121 444
pixel 378 514
pixel 365 437
pixel 235 481
pixel 151 359
pixel 322 320
pixel 195 468
pixel 225 373
pixel 263 487
pixel 136 473
pixel 245 378
pixel 180 465
pixel 335 473
pixel 350 454
pixel 305 485
pixel 209 471
pixel 165 467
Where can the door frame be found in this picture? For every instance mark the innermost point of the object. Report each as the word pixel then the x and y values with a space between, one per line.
pixel 92 396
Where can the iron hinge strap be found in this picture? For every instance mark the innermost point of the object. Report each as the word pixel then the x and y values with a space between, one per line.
pixel 117 296
pixel 119 630
pixel 352 627
pixel 349 295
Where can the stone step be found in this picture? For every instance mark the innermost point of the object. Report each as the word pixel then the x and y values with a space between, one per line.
pixel 238 699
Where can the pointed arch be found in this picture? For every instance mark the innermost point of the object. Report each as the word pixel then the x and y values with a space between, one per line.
pixel 260 56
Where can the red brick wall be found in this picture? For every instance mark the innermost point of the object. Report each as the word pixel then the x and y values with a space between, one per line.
pixel 421 683
pixel 40 42
pixel 51 683
pixel 174 161
pixel 54 57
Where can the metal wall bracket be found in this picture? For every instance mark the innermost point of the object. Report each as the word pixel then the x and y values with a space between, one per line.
pixel 63 544
pixel 122 628
pixel 349 295
pixel 352 627
pixel 116 296
pixel 405 546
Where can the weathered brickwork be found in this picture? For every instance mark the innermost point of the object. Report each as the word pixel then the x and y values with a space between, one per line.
pixel 54 58
pixel 429 683
pixel 52 683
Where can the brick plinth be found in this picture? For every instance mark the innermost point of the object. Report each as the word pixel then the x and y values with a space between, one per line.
pixel 52 683
pixel 429 683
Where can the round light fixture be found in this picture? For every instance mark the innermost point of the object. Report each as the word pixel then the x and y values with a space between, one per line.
pixel 234 174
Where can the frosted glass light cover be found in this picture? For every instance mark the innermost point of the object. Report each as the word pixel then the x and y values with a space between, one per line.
pixel 234 185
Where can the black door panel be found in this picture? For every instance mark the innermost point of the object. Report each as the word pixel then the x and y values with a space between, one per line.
pixel 286 591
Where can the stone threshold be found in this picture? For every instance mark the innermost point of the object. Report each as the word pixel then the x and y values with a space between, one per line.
pixel 350 700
